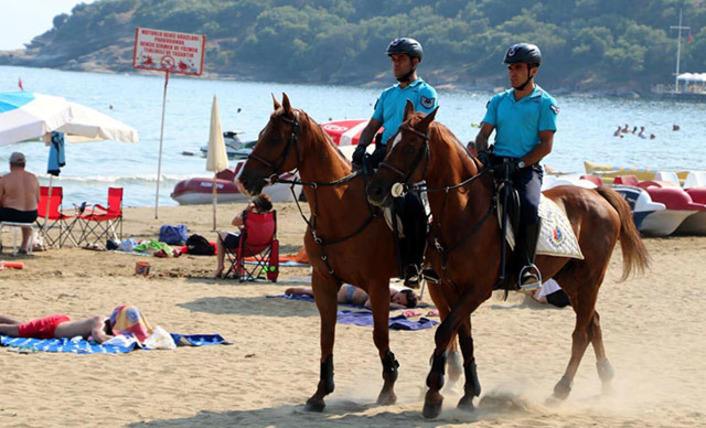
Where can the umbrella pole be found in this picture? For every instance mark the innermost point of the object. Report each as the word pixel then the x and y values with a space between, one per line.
pixel 215 199
pixel 161 139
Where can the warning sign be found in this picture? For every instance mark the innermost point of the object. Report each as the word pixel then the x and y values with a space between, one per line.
pixel 168 51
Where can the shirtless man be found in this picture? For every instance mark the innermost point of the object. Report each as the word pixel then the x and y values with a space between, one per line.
pixel 19 196
pixel 57 326
pixel 355 296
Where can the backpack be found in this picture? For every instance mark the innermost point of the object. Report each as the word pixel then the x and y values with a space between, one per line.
pixel 199 246
pixel 173 235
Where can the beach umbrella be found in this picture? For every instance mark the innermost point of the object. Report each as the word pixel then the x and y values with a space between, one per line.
pixel 27 115
pixel 345 132
pixel 216 157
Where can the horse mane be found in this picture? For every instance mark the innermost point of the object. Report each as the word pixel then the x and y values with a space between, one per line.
pixel 315 129
pixel 439 131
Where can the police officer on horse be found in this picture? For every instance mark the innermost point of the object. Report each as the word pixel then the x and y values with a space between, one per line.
pixel 524 118
pixel 406 54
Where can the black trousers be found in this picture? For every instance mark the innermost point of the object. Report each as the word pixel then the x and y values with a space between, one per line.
pixel 415 225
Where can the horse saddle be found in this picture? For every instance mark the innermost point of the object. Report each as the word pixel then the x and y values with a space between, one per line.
pixel 556 237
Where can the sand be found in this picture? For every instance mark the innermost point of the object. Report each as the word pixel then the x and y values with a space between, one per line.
pixel 653 330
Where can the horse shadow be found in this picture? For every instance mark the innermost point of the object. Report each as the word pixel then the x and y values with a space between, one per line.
pixel 339 412
pixel 256 305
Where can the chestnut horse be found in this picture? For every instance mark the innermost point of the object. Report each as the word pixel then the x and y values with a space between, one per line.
pixel 465 245
pixel 346 240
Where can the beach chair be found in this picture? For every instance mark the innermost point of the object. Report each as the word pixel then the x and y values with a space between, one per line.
pixel 258 243
pixel 99 223
pixel 54 219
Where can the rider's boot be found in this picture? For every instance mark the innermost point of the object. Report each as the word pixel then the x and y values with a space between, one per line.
pixel 530 277
pixel 411 276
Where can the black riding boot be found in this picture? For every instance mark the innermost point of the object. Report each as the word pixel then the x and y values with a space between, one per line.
pixel 530 277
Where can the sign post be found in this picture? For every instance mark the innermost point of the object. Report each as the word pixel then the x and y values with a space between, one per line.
pixel 170 52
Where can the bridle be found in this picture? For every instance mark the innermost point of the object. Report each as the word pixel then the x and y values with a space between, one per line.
pixel 293 141
pixel 312 222
pixel 421 187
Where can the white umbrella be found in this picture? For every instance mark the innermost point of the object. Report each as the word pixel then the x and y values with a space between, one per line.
pixel 29 115
pixel 87 124
pixel 26 115
pixel 216 157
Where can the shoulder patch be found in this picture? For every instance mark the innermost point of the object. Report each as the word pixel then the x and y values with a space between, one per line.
pixel 555 109
pixel 427 102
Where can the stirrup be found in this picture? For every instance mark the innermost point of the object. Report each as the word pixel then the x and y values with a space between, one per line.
pixel 430 275
pixel 411 277
pixel 530 277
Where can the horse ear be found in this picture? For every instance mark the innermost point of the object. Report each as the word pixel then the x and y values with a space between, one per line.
pixel 424 124
pixel 277 104
pixel 408 110
pixel 285 103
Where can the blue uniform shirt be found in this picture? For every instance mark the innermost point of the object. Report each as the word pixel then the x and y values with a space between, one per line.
pixel 517 123
pixel 389 108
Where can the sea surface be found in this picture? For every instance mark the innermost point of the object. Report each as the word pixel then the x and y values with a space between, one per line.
pixel 585 127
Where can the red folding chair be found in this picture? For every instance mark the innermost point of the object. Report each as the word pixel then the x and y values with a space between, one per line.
pixel 99 223
pixel 55 219
pixel 258 243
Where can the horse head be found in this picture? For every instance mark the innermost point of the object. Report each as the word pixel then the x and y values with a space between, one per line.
pixel 276 151
pixel 407 158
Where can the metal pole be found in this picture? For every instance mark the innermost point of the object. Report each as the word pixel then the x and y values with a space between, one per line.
pixel 215 199
pixel 679 27
pixel 161 139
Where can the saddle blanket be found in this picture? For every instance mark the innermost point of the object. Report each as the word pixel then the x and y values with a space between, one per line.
pixel 556 237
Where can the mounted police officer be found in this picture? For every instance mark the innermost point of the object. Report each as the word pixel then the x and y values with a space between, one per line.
pixel 405 54
pixel 524 119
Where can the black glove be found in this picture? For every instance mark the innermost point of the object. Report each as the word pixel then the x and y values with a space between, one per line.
pixel 359 155
pixel 484 157
pixel 378 155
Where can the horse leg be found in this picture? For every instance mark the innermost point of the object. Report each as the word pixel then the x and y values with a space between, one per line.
pixel 444 333
pixel 605 369
pixel 380 303
pixel 472 386
pixel 453 360
pixel 584 306
pixel 325 295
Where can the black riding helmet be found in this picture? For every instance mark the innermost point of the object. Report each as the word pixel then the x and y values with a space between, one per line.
pixel 407 46
pixel 524 52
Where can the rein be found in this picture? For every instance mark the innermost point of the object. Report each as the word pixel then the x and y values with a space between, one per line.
pixel 312 222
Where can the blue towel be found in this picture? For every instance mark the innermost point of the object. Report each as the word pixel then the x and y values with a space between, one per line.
pixel 398 322
pixel 307 298
pixel 56 154
pixel 86 347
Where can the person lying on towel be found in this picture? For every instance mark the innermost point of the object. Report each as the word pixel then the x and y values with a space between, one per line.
pixel 353 295
pixel 125 319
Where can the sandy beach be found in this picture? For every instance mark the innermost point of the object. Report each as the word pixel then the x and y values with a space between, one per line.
pixel 653 329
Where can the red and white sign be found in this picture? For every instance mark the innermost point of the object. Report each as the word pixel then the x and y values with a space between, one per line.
pixel 168 51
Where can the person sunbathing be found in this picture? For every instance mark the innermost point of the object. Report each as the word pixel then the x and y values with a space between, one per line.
pixel 353 295
pixel 58 326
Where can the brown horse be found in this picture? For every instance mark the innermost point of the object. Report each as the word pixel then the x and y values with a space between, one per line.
pixel 346 240
pixel 465 245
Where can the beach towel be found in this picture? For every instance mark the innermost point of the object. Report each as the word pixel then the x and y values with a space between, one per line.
pixel 56 154
pixel 308 298
pixel 128 320
pixel 82 346
pixel 398 322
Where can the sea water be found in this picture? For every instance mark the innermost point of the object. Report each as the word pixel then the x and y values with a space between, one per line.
pixel 585 127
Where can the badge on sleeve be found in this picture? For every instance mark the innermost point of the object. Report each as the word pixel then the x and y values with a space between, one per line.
pixel 555 109
pixel 427 102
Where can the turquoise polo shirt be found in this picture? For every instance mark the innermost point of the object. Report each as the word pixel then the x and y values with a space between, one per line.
pixel 389 108
pixel 517 123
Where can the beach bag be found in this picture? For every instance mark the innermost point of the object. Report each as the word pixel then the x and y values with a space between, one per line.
pixel 173 235
pixel 199 246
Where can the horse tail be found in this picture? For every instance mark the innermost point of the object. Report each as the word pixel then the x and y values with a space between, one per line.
pixel 635 256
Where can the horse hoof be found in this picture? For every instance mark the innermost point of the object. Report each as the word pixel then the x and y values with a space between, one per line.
pixel 553 401
pixel 563 388
pixel 466 403
pixel 387 399
pixel 432 405
pixel 315 405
